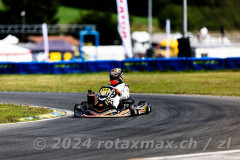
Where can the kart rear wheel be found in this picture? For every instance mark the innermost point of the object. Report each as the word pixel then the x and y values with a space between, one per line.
pixel 133 110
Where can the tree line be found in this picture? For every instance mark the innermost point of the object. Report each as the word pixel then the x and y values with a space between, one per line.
pixel 210 13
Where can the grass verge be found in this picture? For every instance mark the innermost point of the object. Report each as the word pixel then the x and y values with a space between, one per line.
pixel 68 15
pixel 2 7
pixel 225 83
pixel 10 113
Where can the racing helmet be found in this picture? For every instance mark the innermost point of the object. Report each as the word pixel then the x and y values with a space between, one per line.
pixel 116 76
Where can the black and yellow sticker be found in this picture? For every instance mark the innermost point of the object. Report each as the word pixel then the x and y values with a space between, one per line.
pixel 105 91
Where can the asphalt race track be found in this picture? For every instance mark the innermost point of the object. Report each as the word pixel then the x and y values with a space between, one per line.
pixel 177 125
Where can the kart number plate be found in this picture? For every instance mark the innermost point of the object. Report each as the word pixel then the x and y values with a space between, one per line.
pixel 105 91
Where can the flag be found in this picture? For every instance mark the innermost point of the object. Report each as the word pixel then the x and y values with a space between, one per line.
pixel 124 26
pixel 45 40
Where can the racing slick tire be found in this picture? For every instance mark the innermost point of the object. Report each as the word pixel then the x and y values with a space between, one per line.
pixel 84 105
pixel 148 109
pixel 79 108
pixel 133 110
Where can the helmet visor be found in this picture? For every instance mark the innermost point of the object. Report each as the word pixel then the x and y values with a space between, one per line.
pixel 113 77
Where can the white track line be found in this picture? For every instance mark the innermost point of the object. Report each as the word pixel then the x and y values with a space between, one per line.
pixel 195 155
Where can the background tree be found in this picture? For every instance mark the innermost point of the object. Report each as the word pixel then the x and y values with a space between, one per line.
pixel 205 13
pixel 209 13
pixel 174 14
pixel 105 24
pixel 135 7
pixel 37 12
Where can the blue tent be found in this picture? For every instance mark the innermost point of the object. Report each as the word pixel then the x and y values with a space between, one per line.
pixel 54 46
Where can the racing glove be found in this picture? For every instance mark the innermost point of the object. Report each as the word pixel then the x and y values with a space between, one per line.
pixel 118 92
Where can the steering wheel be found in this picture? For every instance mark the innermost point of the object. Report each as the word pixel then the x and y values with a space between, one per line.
pixel 114 93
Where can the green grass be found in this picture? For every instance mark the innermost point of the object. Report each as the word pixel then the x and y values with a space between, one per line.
pixel 69 15
pixel 10 113
pixel 2 7
pixel 204 83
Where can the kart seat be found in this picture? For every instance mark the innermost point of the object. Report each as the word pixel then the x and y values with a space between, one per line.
pixel 91 97
pixel 127 101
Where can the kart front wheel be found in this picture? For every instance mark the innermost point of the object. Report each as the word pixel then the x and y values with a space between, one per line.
pixel 78 110
pixel 148 109
pixel 84 105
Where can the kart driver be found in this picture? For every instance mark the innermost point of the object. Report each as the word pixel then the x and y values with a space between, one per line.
pixel 121 89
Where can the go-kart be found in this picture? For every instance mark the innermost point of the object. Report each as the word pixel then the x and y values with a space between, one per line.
pixel 100 105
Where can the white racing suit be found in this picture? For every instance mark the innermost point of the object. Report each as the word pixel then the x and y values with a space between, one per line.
pixel 124 89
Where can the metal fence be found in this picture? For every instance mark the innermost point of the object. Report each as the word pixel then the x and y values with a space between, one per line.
pixel 37 28
pixel 212 38
pixel 217 38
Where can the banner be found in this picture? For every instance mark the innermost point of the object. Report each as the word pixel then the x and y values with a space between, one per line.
pixel 45 40
pixel 124 26
pixel 168 33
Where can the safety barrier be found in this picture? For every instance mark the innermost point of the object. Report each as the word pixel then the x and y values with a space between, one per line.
pixel 173 64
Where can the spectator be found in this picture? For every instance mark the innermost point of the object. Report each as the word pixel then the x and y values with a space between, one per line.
pixel 203 34
pixel 223 32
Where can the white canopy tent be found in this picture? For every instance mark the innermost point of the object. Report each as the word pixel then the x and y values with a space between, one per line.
pixel 11 39
pixel 14 53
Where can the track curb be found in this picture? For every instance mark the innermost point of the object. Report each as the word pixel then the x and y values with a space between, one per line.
pixel 68 113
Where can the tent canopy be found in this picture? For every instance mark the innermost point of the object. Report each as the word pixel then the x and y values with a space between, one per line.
pixel 54 46
pixel 6 48
pixel 14 53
